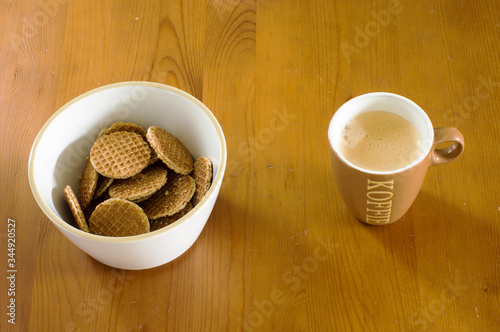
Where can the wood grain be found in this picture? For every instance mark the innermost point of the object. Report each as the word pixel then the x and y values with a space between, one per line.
pixel 280 251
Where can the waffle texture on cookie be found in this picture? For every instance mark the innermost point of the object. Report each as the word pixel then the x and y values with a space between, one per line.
pixel 202 174
pixel 170 150
pixel 118 217
pixel 120 155
pixel 171 198
pixel 140 186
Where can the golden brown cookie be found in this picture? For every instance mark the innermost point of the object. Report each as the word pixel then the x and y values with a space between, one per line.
pixel 76 209
pixel 122 126
pixel 140 186
pixel 118 217
pixel 202 174
pixel 171 198
pixel 164 221
pixel 120 155
pixel 88 184
pixel 170 150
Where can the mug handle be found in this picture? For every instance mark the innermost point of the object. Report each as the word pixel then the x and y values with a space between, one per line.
pixel 451 152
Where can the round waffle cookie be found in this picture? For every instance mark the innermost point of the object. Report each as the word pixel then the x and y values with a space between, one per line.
pixel 88 184
pixel 120 155
pixel 122 126
pixel 76 209
pixel 170 150
pixel 202 174
pixel 171 198
pixel 118 217
pixel 165 221
pixel 140 186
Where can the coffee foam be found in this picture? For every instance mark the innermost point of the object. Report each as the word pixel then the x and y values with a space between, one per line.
pixel 380 141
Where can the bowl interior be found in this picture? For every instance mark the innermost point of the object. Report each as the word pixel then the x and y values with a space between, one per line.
pixel 59 152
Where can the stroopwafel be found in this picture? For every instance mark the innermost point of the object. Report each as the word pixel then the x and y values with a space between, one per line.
pixel 76 209
pixel 120 155
pixel 118 217
pixel 140 186
pixel 171 198
pixel 170 150
pixel 202 174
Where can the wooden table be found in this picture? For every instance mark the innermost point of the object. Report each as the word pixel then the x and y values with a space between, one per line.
pixel 280 252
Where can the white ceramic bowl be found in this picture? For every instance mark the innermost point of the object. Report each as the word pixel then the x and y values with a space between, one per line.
pixel 58 157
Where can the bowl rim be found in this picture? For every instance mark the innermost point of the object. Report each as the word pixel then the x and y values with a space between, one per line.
pixel 54 218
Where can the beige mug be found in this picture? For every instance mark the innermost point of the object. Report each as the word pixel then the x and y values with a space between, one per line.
pixel 383 197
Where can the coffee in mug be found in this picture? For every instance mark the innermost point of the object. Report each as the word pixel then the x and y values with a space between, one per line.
pixel 381 147
pixel 380 141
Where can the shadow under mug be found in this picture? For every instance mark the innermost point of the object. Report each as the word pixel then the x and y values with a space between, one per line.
pixel 383 197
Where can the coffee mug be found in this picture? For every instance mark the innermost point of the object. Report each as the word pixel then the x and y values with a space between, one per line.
pixel 383 197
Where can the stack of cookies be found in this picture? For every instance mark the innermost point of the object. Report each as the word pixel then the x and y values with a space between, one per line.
pixel 137 181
